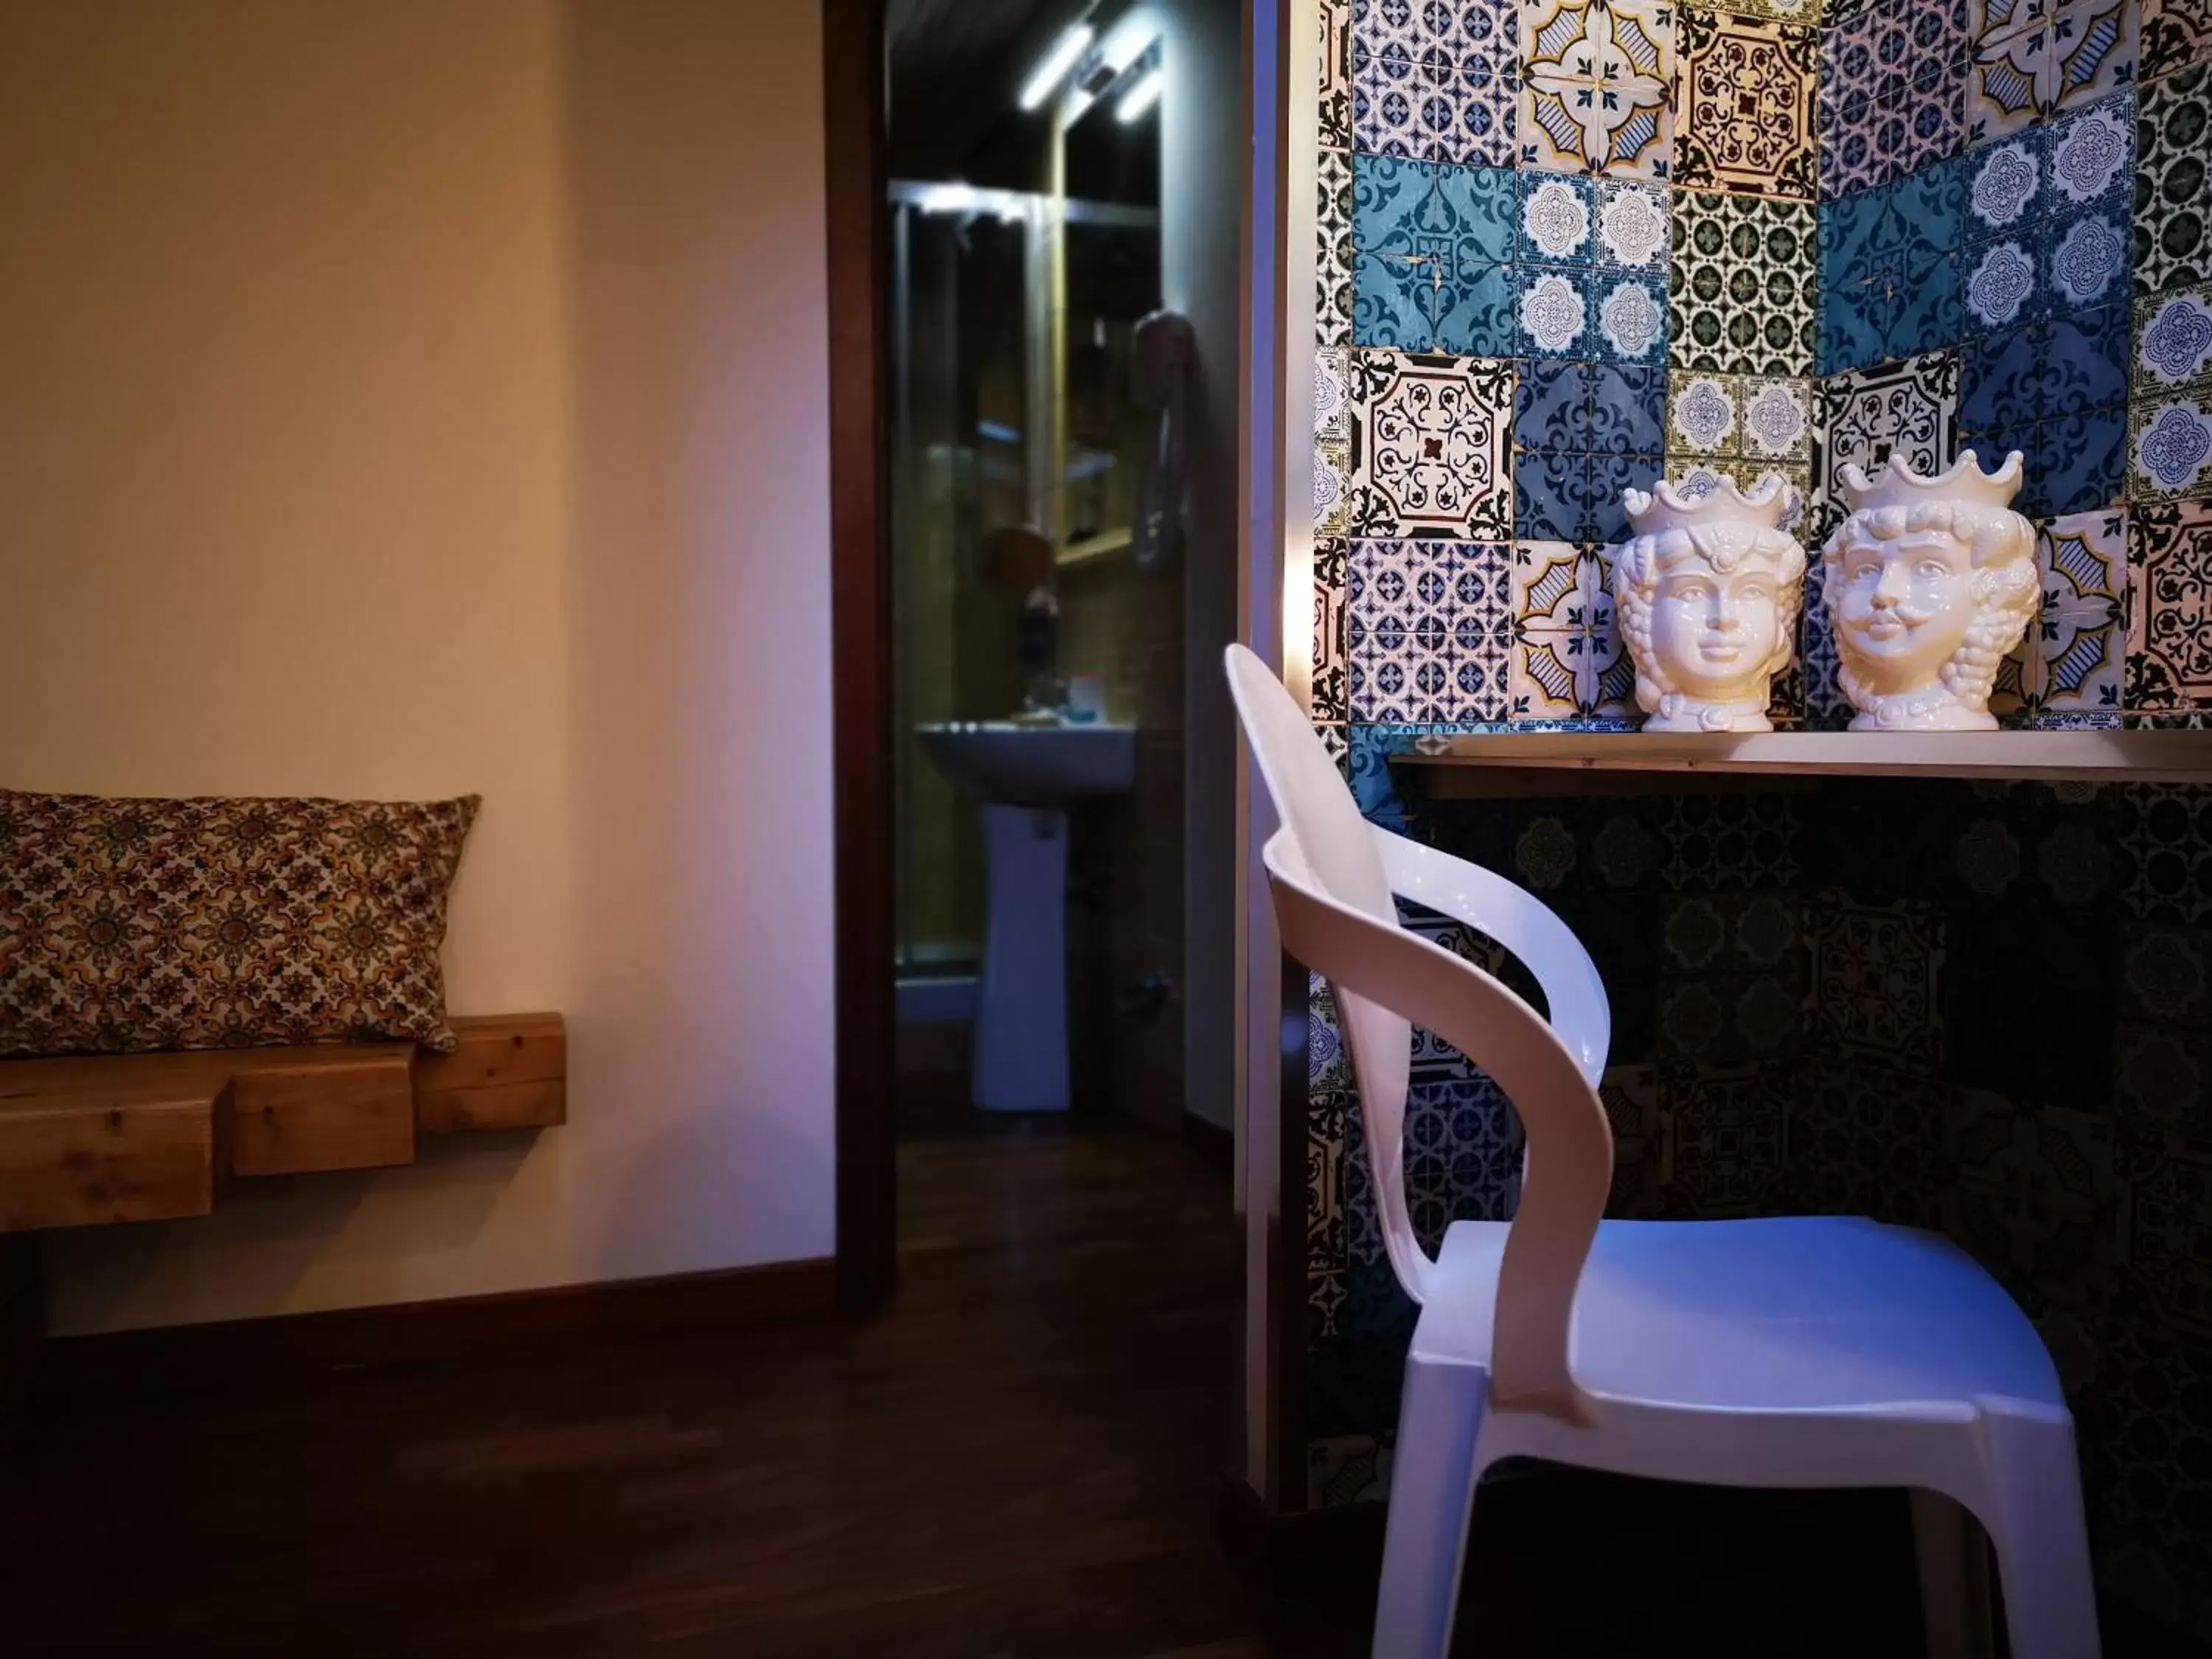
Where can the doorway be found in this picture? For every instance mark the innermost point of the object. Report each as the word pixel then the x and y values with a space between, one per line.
pixel 1062 331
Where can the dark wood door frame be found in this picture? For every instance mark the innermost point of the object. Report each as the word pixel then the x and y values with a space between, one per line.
pixel 860 644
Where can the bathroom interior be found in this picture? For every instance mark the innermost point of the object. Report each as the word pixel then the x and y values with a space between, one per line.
pixel 1043 499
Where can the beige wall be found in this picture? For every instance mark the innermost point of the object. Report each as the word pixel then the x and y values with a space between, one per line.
pixel 426 396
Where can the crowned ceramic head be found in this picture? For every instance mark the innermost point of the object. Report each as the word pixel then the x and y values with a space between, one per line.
pixel 1706 593
pixel 1929 583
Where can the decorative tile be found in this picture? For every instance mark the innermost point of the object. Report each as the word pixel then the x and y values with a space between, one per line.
pixel 2004 188
pixel 2173 339
pixel 1627 316
pixel 1742 286
pixel 1728 843
pixel 1999 284
pixel 1436 80
pixel 1596 87
pixel 2166 845
pixel 1777 420
pixel 2088 261
pixel 1405 245
pixel 2176 33
pixel 2170 618
pixel 1731 987
pixel 2034 1193
pixel 1550 497
pixel 1632 226
pixel 1555 219
pixel 1428 632
pixel 1724 1133
pixel 2091 153
pixel 1335 70
pixel 1627 408
pixel 1907 410
pixel 1876 972
pixel 1553 311
pixel 1462 1154
pixel 1337 440
pixel 2032 59
pixel 1332 578
pixel 2081 360
pixel 2174 187
pixel 1744 91
pixel 1434 457
pixel 1893 98
pixel 1551 406
pixel 1703 414
pixel 1333 291
pixel 2072 659
pixel 2170 448
pixel 1567 661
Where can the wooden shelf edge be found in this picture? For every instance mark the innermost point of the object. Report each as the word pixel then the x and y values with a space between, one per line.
pixel 94 1140
pixel 2090 757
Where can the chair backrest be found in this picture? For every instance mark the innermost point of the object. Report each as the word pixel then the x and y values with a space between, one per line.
pixel 1334 906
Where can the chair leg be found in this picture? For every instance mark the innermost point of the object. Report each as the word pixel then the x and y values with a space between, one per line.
pixel 2035 1520
pixel 1432 1498
pixel 1955 1579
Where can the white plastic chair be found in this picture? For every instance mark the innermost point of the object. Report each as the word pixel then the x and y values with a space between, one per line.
pixel 1802 1352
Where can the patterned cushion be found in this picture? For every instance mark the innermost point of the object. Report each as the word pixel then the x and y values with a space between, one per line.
pixel 127 925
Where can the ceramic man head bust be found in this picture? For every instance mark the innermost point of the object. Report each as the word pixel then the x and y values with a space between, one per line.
pixel 1706 593
pixel 1928 583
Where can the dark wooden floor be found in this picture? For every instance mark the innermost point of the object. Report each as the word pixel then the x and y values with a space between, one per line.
pixel 1022 1457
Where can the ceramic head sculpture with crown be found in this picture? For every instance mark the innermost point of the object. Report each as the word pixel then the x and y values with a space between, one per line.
pixel 1706 593
pixel 1928 583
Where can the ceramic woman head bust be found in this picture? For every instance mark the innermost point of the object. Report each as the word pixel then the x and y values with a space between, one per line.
pixel 1928 583
pixel 1706 593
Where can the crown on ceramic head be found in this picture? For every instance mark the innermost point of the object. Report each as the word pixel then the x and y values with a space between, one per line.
pixel 1664 506
pixel 1898 485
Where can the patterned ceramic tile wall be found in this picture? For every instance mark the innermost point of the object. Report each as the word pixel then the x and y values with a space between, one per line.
pixel 1784 237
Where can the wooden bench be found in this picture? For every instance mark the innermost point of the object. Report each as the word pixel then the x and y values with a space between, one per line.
pixel 88 1141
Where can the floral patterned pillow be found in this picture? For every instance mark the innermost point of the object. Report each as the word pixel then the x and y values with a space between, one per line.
pixel 128 925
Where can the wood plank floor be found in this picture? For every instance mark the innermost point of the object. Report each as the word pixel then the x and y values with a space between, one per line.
pixel 1022 1457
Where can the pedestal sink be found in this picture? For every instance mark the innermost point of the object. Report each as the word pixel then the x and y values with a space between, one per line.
pixel 1026 777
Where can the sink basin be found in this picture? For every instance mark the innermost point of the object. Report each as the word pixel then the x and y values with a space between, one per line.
pixel 1026 778
pixel 1049 766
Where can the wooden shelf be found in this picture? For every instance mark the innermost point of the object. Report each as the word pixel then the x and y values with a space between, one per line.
pixel 1460 763
pixel 90 1139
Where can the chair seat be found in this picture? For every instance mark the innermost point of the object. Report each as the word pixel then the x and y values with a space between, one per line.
pixel 1810 1313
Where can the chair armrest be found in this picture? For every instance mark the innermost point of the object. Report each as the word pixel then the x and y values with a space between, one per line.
pixel 1516 919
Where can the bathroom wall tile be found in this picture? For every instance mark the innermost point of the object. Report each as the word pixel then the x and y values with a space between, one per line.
pixel 1724 1133
pixel 1339 441
pixel 1334 18
pixel 2081 360
pixel 1552 405
pixel 2172 340
pixel 1633 226
pixel 1927 212
pixel 2080 460
pixel 1555 219
pixel 1778 417
pixel 1478 312
pixel 2090 152
pixel 1428 631
pixel 1731 989
pixel 2001 283
pixel 2034 58
pixel 1628 315
pixel 1548 492
pixel 1332 470
pixel 1627 413
pixel 1730 843
pixel 1435 456
pixel 1927 312
pixel 2002 377
pixel 1332 578
pixel 1908 409
pixel 2086 260
pixel 1567 661
pixel 1596 85
pixel 2174 187
pixel 1705 414
pixel 2170 620
pixel 1609 477
pixel 1857 319
pixel 1333 289
pixel 1743 103
pixel 2072 660
pixel 2094 50
pixel 1462 1153
pixel 2170 448
pixel 2005 187
pixel 1742 286
pixel 2176 33
pixel 1876 972
pixel 1553 313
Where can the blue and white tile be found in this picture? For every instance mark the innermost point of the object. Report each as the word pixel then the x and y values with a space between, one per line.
pixel 2000 284
pixel 1555 219
pixel 2078 462
pixel 2004 188
pixel 2087 263
pixel 2170 448
pixel 1553 311
pixel 2072 659
pixel 2174 339
pixel 1628 409
pixel 2091 152
pixel 2081 360
pixel 1705 414
pixel 1633 226
pixel 1552 405
pixel 1628 316
pixel 1567 661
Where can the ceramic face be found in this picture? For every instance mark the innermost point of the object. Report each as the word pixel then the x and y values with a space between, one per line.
pixel 1904 606
pixel 1714 635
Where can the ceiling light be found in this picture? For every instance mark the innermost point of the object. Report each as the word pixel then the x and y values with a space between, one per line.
pixel 1141 97
pixel 1046 76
